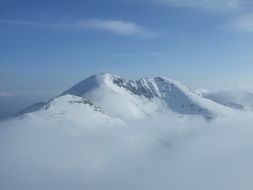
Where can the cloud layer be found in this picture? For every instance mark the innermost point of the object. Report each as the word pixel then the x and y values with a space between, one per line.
pixel 155 153
pixel 243 23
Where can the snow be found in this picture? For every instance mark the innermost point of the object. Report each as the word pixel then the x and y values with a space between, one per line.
pixel 72 109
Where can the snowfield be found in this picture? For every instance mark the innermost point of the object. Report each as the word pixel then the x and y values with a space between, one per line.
pixel 107 132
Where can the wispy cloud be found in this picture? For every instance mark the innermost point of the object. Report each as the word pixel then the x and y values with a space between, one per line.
pixel 204 4
pixel 242 19
pixel 243 23
pixel 119 27
pixel 6 94
pixel 142 54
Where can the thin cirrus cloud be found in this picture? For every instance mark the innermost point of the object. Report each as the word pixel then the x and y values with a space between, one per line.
pixel 116 26
pixel 6 94
pixel 203 4
pixel 120 27
pixel 242 20
pixel 243 23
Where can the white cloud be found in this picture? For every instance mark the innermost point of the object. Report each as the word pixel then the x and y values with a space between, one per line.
pixel 5 94
pixel 244 23
pixel 119 27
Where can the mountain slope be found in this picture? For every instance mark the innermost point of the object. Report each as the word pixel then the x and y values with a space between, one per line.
pixel 69 109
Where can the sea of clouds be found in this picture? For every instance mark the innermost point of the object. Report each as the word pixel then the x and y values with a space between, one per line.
pixel 160 152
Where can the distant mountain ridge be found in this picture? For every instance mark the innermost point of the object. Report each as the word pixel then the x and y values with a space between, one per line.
pixel 236 99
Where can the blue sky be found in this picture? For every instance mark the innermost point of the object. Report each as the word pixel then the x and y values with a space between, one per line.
pixel 47 46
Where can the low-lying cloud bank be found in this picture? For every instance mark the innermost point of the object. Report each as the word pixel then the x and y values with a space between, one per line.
pixel 156 153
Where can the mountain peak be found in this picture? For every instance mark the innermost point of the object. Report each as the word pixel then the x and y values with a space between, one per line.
pixel 143 86
pixel 93 82
pixel 106 75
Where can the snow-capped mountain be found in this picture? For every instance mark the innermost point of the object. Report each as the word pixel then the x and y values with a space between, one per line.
pixel 108 98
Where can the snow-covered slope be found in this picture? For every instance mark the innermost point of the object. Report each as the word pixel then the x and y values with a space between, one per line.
pixel 69 109
pixel 117 96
